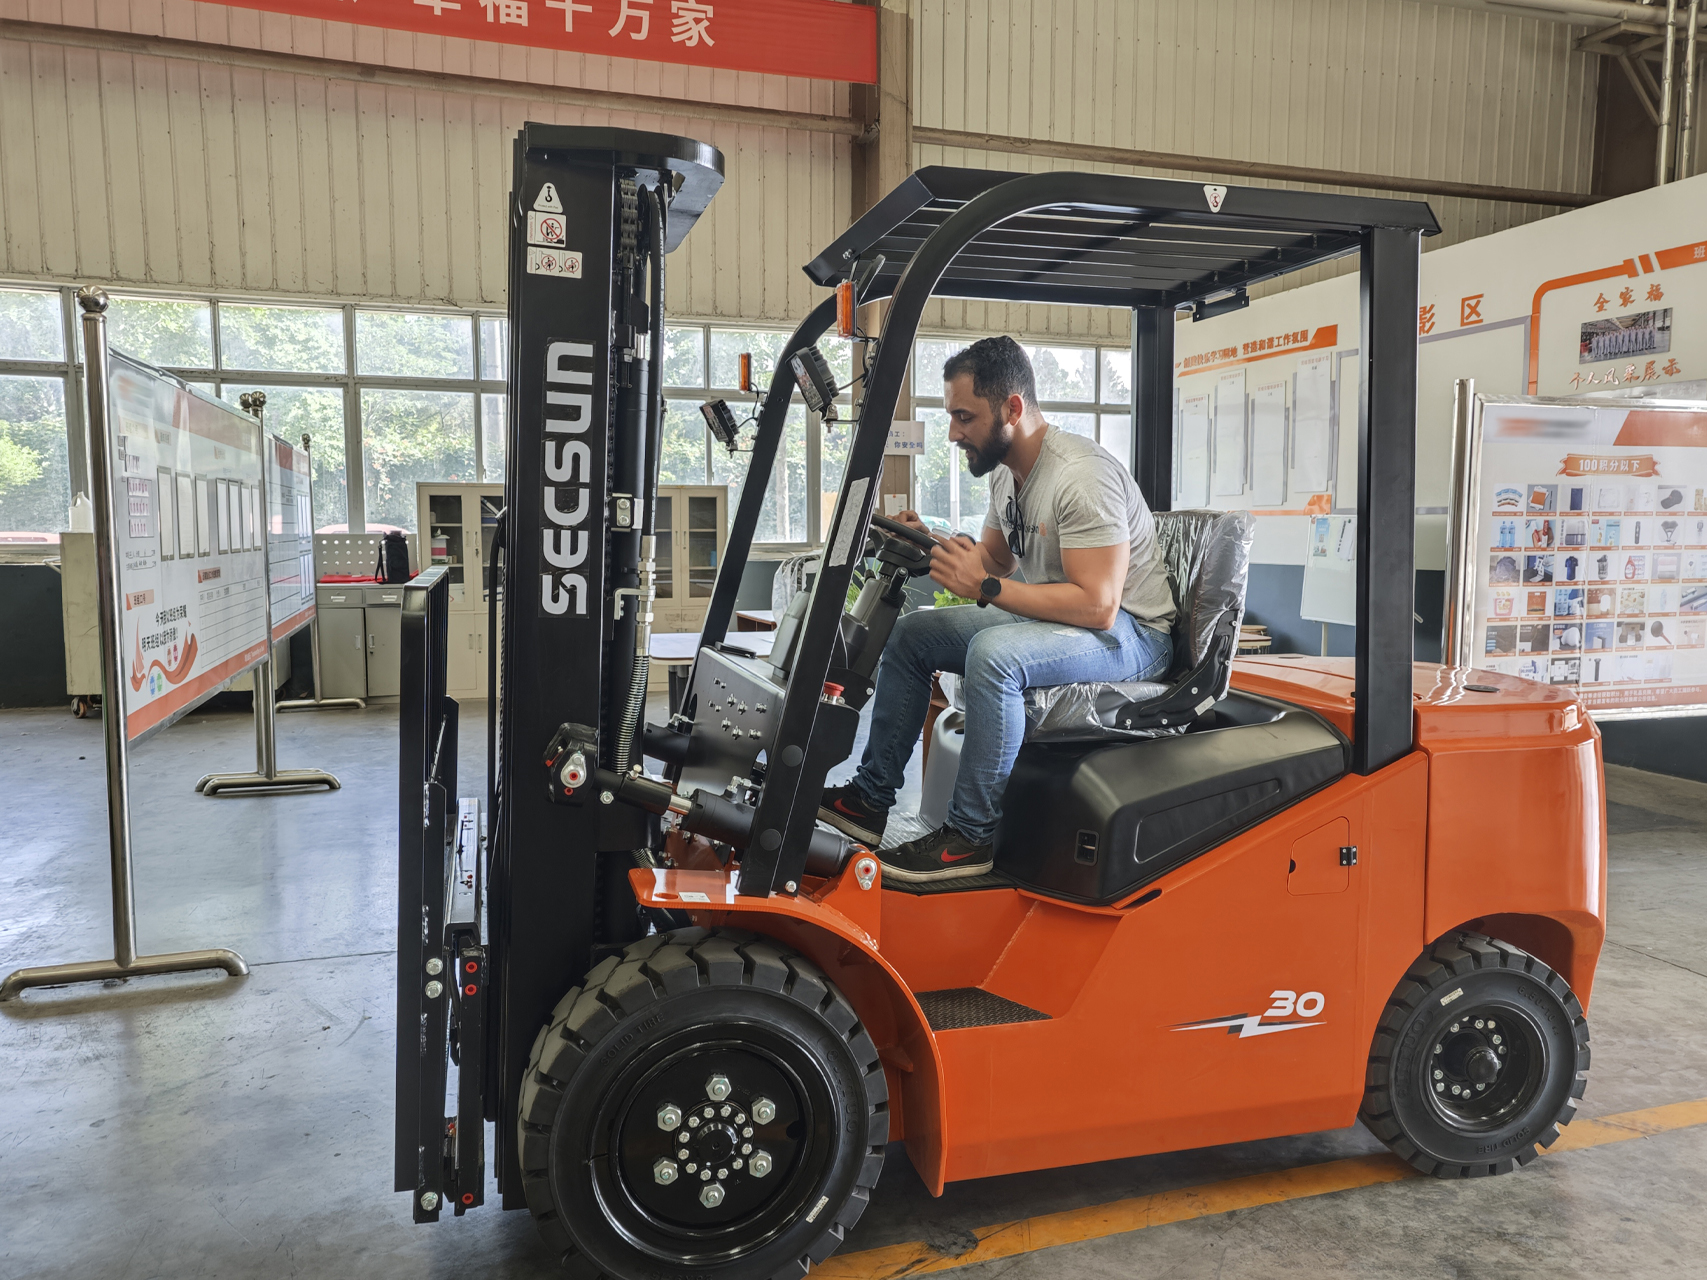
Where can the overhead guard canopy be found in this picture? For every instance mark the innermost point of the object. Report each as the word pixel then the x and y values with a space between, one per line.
pixel 1155 243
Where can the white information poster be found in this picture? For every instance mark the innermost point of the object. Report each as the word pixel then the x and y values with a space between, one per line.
pixel 1230 461
pixel 192 571
pixel 290 538
pixel 1312 431
pixel 1590 546
pixel 1192 480
pixel 1330 571
pixel 1268 445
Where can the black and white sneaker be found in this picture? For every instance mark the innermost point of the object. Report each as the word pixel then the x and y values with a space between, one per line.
pixel 848 812
pixel 944 854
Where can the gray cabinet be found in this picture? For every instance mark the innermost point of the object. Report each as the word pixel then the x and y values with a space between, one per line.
pixel 361 631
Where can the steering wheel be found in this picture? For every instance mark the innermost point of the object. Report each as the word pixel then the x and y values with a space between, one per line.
pixel 896 529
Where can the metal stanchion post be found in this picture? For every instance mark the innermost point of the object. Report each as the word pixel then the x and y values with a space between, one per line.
pixel 267 776
pixel 125 962
pixel 305 704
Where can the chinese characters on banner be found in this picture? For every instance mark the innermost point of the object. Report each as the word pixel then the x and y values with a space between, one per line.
pixel 819 39
pixel 1591 552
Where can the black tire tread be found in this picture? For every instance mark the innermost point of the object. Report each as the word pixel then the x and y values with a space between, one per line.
pixel 669 964
pixel 1456 956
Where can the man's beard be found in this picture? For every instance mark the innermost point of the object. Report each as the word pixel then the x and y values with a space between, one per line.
pixel 980 462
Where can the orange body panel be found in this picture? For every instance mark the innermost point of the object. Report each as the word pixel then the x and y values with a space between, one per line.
pixel 1497 820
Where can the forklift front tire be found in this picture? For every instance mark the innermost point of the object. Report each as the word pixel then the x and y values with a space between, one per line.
pixel 1478 1060
pixel 706 1104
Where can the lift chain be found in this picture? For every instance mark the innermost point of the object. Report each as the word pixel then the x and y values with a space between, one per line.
pixel 628 233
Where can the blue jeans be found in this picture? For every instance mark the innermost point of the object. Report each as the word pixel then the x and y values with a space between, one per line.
pixel 1001 657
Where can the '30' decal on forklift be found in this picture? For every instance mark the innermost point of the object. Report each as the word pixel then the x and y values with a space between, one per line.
pixel 1286 1003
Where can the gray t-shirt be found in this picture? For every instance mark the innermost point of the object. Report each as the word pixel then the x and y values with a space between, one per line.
pixel 1079 496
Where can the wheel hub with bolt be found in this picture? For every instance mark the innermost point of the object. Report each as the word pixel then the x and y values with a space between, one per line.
pixel 1484 1066
pixel 718 1137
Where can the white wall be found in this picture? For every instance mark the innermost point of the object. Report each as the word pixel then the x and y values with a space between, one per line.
pixel 173 173
pixel 1519 273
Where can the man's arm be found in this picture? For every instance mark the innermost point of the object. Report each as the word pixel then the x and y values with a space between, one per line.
pixel 1089 598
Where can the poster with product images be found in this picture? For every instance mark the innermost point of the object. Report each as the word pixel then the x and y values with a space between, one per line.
pixel 190 529
pixel 1584 560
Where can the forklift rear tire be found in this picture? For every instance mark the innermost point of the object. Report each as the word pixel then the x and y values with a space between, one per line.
pixel 706 1104
pixel 1479 1058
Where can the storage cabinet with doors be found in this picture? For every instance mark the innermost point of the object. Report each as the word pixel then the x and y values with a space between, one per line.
pixel 361 640
pixel 456 525
pixel 692 528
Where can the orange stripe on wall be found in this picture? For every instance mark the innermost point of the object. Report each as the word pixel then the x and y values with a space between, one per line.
pixel 1325 337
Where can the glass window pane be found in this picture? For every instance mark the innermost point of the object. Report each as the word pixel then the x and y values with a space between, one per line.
pixel 684 357
pixel 935 472
pixel 494 435
pixel 682 453
pixel 1063 373
pixel 1117 436
pixel 31 326
pixel 832 467
pixel 318 413
pixel 494 348
pixel 300 339
pixel 726 344
pixel 402 345
pixel 664 525
pixel 409 436
pixel 783 517
pixel 163 331
pixel 1116 375
pixel 929 356
pixel 1080 424
pixel 839 355
pixel 35 481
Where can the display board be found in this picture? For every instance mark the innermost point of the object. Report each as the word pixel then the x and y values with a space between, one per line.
pixel 290 538
pixel 1330 572
pixel 188 520
pixel 1584 550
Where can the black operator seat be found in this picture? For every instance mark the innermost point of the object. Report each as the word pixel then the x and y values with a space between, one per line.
pixel 1208 557
pixel 1118 783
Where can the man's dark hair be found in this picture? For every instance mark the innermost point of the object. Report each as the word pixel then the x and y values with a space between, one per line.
pixel 999 369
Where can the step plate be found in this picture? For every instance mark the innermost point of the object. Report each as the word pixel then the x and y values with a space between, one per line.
pixel 957 1008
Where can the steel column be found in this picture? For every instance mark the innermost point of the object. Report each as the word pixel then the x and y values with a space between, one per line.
pixel 1386 498
pixel 1153 404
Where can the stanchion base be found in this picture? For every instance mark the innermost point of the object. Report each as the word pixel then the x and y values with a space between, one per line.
pixel 59 975
pixel 309 704
pixel 283 780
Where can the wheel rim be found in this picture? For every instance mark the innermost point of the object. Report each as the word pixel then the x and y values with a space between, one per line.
pixel 677 1218
pixel 1484 1067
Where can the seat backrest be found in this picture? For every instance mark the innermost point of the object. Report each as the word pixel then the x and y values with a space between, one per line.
pixel 1208 554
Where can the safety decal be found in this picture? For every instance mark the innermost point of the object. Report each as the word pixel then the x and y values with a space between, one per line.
pixel 1215 195
pixel 554 262
pixel 547 201
pixel 546 229
pixel 1286 1004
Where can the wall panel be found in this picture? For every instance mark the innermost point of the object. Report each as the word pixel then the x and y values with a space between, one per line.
pixel 169 173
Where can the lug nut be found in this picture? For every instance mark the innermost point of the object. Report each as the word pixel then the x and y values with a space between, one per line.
pixel 669 1117
pixel 664 1172
pixel 711 1196
pixel 764 1110
pixel 717 1089
pixel 760 1164
pixel 429 1200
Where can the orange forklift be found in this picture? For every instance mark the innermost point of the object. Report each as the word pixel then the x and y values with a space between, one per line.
pixel 1255 898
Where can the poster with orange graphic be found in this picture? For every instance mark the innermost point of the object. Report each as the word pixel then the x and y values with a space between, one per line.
pixel 1586 552
pixel 191 540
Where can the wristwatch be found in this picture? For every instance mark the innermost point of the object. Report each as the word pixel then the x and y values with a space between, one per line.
pixel 988 590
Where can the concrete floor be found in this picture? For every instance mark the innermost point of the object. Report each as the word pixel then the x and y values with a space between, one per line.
pixel 196 1127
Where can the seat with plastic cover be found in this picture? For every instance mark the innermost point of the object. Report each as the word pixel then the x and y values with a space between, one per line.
pixel 1208 555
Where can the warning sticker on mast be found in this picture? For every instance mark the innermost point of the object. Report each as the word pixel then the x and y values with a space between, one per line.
pixel 815 39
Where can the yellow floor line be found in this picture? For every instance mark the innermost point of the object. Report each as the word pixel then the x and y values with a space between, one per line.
pixel 1007 1239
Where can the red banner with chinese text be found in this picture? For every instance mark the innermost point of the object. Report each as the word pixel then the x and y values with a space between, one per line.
pixel 819 39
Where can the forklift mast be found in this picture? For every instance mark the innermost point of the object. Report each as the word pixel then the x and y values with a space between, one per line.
pixel 593 212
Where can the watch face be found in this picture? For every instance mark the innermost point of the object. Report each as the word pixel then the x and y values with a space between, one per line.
pixel 992 587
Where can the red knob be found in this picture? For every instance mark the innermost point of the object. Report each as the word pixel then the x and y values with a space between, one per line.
pixel 832 690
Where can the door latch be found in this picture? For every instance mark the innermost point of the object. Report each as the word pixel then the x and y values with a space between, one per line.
pixel 1348 855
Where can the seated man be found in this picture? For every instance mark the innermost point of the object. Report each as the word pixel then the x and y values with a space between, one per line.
pixel 1093 604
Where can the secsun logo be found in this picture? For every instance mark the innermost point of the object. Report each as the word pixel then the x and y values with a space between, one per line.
pixel 1286 1003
